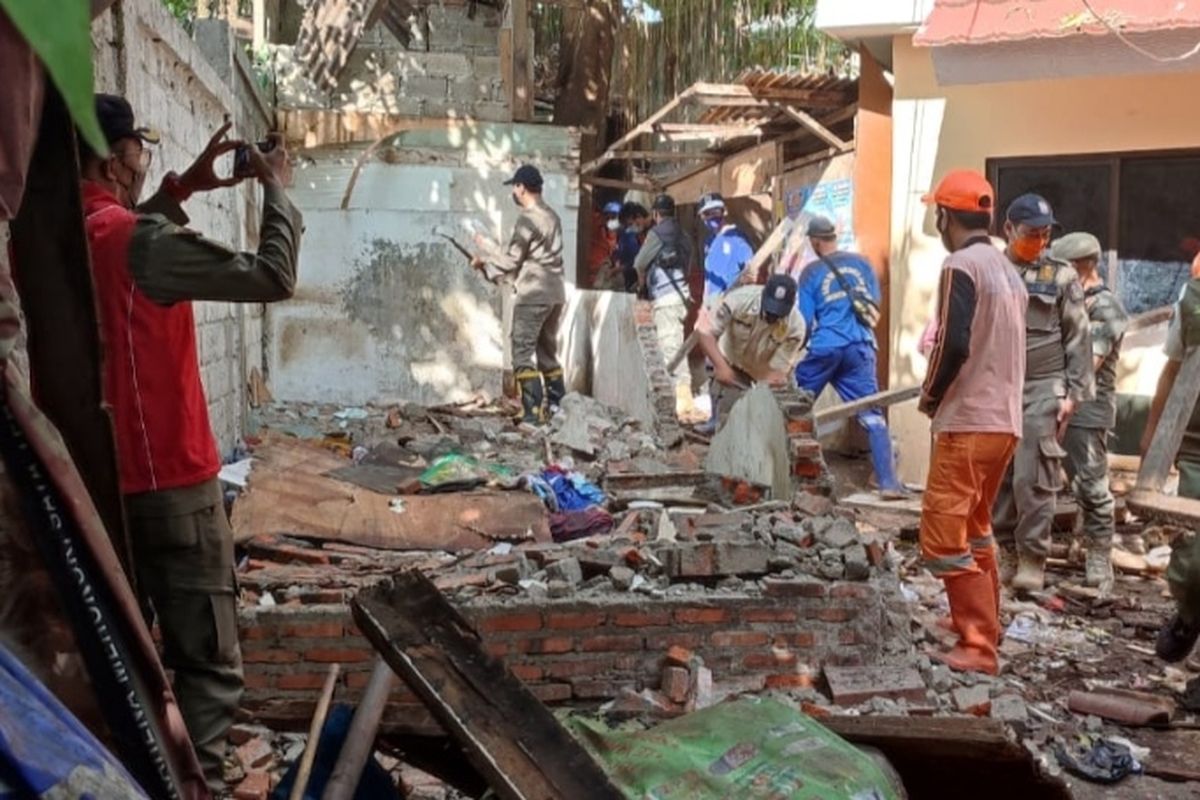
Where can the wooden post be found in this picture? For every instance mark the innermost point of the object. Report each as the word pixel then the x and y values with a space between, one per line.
pixel 1156 464
pixel 314 733
pixel 522 62
pixel 360 739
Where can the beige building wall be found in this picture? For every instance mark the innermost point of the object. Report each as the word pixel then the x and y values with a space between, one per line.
pixel 937 129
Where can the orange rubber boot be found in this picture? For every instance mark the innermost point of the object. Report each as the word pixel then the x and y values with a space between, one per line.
pixel 990 565
pixel 973 608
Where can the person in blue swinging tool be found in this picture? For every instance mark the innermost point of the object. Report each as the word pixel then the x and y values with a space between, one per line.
pixel 839 299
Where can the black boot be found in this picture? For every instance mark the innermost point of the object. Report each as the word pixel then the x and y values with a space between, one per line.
pixel 531 396
pixel 556 390
pixel 1176 640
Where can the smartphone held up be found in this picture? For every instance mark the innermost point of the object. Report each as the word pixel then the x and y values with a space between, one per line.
pixel 242 168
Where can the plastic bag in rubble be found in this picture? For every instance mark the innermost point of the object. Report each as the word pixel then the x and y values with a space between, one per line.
pixel 455 472
pixel 542 488
pixel 749 748
pixel 1105 761
pixel 573 491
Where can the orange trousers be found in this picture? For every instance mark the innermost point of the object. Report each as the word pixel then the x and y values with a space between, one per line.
pixel 956 513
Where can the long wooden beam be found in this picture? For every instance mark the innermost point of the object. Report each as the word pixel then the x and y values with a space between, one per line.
pixel 888 397
pixel 829 121
pixel 664 155
pixel 737 94
pixel 612 183
pixel 1156 464
pixel 811 123
pixel 504 730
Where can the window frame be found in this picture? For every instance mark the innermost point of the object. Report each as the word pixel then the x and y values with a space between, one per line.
pixel 1113 160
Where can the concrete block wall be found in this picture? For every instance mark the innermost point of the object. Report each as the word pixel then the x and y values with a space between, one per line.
pixel 584 652
pixel 451 69
pixel 141 52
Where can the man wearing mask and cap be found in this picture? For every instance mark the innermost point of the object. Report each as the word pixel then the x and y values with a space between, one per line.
pixel 1058 377
pixel 753 334
pixel 604 247
pixel 726 248
pixel 839 299
pixel 1086 440
pixel 533 260
pixel 663 265
pixel 972 393
pixel 635 223
pixel 147 270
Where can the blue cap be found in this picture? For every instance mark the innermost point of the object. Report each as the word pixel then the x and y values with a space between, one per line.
pixel 1032 210
pixel 612 208
pixel 822 228
pixel 779 295
pixel 526 175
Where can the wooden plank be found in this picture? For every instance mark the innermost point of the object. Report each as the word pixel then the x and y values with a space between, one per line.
pixel 522 62
pixel 506 67
pixel 723 129
pixel 664 155
pixel 888 397
pixel 725 93
pixel 613 183
pixel 505 731
pixel 360 738
pixel 1157 463
pixel 1164 507
pixel 810 122
pixel 290 493
pixel 653 480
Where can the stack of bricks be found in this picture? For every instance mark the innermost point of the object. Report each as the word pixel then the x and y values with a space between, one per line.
pixel 584 652
pixel 810 474
pixel 662 386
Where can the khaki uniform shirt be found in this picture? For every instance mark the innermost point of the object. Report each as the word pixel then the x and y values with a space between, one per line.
pixel 1058 341
pixel 171 263
pixel 533 258
pixel 748 341
pixel 1108 322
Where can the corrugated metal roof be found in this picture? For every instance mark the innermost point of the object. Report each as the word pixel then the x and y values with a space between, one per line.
pixel 990 21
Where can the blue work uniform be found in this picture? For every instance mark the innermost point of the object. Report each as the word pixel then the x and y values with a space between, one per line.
pixel 726 253
pixel 841 349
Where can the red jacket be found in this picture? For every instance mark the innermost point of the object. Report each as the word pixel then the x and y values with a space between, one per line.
pixel 151 371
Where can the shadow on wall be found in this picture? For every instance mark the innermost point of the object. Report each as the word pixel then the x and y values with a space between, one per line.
pixel 431 317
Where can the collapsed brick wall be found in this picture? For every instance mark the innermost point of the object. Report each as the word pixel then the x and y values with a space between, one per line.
pixel 662 387
pixel 574 652
pixel 451 68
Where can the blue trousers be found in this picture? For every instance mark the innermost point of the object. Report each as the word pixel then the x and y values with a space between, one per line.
pixel 851 370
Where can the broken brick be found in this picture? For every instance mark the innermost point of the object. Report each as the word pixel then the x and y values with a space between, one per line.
pixel 675 683
pixel 255 754
pixel 972 700
pixel 255 786
pixel 680 656
pixel 849 686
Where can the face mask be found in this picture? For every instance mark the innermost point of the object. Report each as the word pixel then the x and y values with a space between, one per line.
pixel 942 223
pixel 1027 248
pixel 133 186
pixel 613 225
pixel 713 225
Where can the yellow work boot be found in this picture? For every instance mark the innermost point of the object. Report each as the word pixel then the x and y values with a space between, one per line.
pixel 1031 573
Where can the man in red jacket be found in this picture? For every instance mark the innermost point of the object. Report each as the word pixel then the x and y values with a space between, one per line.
pixel 147 269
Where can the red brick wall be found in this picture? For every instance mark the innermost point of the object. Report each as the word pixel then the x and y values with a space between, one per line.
pixel 582 652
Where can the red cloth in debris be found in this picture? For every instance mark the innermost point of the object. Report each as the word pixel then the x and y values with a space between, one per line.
pixel 570 525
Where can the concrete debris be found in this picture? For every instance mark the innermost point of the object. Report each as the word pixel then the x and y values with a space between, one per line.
pixel 849 686
pixel 974 700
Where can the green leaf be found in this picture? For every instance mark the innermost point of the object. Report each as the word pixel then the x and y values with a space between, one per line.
pixel 60 35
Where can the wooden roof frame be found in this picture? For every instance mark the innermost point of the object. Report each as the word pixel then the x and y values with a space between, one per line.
pixel 750 110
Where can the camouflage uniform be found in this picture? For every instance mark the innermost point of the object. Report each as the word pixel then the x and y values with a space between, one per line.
pixel 1086 441
pixel 1058 365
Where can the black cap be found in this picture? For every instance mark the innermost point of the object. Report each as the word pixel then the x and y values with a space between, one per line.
pixel 779 296
pixel 528 176
pixel 664 202
pixel 821 228
pixel 116 120
pixel 1032 210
